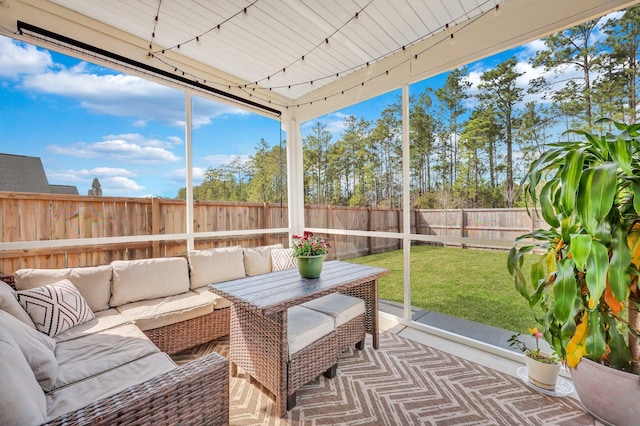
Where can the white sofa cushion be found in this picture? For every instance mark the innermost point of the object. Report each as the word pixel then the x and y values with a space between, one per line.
pixel 104 320
pixel 135 280
pixel 340 307
pixel 215 265
pixel 9 303
pixel 305 326
pixel 151 314
pixel 257 260
pixel 82 358
pixel 22 401
pixel 282 259
pixel 79 394
pixel 94 282
pixel 219 302
pixel 55 307
pixel 37 349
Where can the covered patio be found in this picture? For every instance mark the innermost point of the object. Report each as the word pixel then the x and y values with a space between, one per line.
pixel 296 61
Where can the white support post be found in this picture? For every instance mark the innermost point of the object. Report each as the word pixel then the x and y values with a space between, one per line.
pixel 406 204
pixel 295 178
pixel 189 170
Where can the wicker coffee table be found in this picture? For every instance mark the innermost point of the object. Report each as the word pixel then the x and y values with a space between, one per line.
pixel 258 337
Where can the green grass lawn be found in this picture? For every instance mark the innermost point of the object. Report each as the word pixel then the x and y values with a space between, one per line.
pixel 470 284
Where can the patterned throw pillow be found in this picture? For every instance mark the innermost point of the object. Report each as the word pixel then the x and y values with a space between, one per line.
pixel 282 259
pixel 56 307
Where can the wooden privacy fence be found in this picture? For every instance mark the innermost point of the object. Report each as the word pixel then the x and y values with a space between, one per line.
pixel 44 217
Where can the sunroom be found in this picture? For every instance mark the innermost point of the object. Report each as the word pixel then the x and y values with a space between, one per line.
pixel 293 62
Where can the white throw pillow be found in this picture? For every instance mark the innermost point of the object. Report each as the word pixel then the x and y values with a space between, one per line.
pixel 257 260
pixel 37 348
pixel 55 308
pixel 282 259
pixel 9 303
pixel 215 265
pixel 22 401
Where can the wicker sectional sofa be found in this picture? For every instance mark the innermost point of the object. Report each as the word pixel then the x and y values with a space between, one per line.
pixel 104 357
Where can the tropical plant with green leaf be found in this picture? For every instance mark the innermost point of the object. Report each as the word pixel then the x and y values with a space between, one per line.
pixel 583 289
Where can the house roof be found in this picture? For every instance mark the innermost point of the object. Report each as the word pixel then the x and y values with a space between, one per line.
pixel 19 173
pixel 251 52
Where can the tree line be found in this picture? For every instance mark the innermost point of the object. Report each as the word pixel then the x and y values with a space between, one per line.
pixel 468 146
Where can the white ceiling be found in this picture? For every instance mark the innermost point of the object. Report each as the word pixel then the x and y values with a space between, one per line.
pixel 257 55
pixel 275 34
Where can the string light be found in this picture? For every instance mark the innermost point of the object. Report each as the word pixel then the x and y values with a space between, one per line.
pixel 326 42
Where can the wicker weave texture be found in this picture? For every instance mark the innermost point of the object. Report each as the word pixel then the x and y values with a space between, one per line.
pixel 196 393
pixel 308 363
pixel 350 333
pixel 174 338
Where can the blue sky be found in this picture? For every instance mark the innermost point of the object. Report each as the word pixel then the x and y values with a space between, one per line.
pixel 86 121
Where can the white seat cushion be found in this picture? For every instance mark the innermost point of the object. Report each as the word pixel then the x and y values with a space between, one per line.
pixel 257 260
pixel 93 282
pixel 37 349
pixel 22 401
pixel 9 303
pixel 219 302
pixel 305 326
pixel 215 265
pixel 79 394
pixel 104 320
pixel 156 313
pixel 340 307
pixel 80 359
pixel 144 279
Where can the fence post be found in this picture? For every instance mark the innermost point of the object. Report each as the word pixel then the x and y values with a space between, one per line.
pixel 266 238
pixel 370 228
pixel 463 226
pixel 155 226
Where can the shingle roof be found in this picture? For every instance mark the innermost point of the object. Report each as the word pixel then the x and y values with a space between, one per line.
pixel 19 173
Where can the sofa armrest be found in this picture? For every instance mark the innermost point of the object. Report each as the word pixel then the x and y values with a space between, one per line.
pixel 194 393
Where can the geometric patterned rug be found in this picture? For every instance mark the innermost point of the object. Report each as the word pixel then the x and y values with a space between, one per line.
pixel 402 383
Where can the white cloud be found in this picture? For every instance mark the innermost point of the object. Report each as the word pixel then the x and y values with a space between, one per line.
pixel 129 149
pixel 334 123
pixel 19 58
pixel 81 175
pixel 101 91
pixel 217 160
pixel 120 185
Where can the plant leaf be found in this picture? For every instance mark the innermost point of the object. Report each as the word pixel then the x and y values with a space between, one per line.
pixel 611 301
pixel 619 264
pixel 596 276
pixel 570 178
pixel 564 290
pixel 596 343
pixel 580 248
pixel 596 195
pixel 635 187
pixel 620 355
pixel 633 241
pixel 547 205
pixel 577 346
pixel 620 151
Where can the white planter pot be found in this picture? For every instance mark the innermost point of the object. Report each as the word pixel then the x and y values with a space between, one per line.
pixel 541 374
pixel 609 395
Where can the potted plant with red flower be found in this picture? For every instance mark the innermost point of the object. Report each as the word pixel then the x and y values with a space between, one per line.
pixel 309 251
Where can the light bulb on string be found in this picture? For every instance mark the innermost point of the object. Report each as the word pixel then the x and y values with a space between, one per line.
pixel 452 39
pixel 497 10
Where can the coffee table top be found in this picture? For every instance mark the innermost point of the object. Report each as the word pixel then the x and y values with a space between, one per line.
pixel 277 291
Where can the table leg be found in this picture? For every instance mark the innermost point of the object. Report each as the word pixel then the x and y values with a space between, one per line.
pixel 376 326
